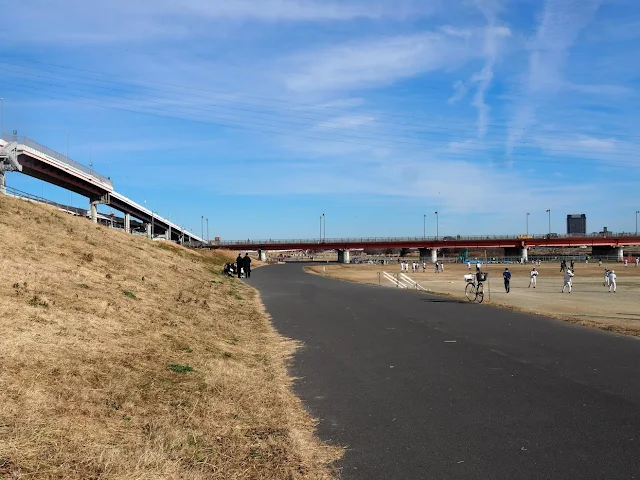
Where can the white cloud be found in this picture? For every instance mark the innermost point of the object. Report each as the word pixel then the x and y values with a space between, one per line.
pixel 560 24
pixel 459 92
pixel 377 62
pixel 346 122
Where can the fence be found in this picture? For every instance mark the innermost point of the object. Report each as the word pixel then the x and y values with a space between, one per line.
pixel 35 198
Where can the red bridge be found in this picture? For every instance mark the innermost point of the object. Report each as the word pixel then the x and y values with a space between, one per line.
pixel 517 245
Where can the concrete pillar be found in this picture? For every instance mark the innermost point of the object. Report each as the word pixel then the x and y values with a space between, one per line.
pixel 93 210
pixel 3 182
pixel 127 223
pixel 524 254
pixel 620 254
pixel 262 255
pixel 428 255
pixel 343 256
pixel 148 226
pixel 168 233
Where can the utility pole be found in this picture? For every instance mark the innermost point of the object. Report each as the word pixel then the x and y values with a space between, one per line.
pixel 528 223
pixel 637 212
pixel 202 227
pixel 437 226
pixel 320 228
pixel 325 227
pixel 424 226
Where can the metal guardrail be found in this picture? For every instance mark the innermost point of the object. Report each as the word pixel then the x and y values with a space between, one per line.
pixel 346 241
pixel 27 142
pixel 35 198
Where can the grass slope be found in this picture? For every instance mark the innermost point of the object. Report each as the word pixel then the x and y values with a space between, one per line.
pixel 124 358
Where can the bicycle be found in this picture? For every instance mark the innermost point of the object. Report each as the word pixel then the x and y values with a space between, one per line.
pixel 474 291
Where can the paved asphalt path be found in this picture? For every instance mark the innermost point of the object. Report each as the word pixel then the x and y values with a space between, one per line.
pixel 422 387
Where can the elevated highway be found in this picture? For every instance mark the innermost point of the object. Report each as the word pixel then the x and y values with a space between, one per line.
pixel 24 155
pixel 514 245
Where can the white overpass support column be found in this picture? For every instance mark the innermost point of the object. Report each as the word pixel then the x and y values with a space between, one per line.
pixel 434 255
pixel 168 233
pixel 262 255
pixel 127 223
pixel 93 210
pixel 3 182
pixel 524 254
pixel 343 256
pixel 620 252
pixel 148 226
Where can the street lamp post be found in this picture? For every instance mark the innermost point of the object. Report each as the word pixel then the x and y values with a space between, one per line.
pixel 637 212
pixel 90 161
pixel 437 226
pixel 549 212
pixel 528 223
pixel 424 226
pixel 324 219
pixel 202 227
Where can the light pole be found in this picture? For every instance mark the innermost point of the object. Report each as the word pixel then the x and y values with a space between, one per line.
pixel 324 219
pixel 90 161
pixel 528 223
pixel 549 212
pixel 320 228
pixel 424 226
pixel 437 226
pixel 202 227
pixel 637 212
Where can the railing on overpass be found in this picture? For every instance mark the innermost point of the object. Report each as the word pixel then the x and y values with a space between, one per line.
pixel 35 198
pixel 27 142
pixel 349 240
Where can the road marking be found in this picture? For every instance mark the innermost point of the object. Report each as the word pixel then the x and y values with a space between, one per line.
pixel 450 341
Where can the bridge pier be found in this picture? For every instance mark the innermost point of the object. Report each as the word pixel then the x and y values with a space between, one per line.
pixel 262 255
pixel 520 253
pixel 149 233
pixel 93 210
pixel 343 256
pixel 127 223
pixel 617 252
pixel 3 182
pixel 428 254
pixel 168 233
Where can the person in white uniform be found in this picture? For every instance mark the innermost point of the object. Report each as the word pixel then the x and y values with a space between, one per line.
pixel 533 276
pixel 606 277
pixel 568 275
pixel 637 261
pixel 469 265
pixel 612 281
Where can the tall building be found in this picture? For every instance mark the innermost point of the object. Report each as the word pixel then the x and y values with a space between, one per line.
pixel 577 224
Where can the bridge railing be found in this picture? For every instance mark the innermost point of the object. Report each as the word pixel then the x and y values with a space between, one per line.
pixel 353 240
pixel 27 142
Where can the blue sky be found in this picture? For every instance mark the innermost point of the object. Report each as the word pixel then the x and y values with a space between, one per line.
pixel 263 115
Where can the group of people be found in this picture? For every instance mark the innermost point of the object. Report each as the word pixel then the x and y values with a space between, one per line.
pixel 241 267
pixel 415 267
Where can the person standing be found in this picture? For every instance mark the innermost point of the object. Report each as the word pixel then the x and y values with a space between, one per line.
pixel 507 279
pixel 469 266
pixel 637 261
pixel 424 267
pixel 572 265
pixel 246 261
pixel 533 277
pixel 612 281
pixel 606 277
pixel 599 262
pixel 625 263
pixel 568 275
pixel 239 264
pixel 437 267
pixel 563 265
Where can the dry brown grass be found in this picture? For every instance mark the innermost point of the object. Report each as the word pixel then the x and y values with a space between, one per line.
pixel 96 331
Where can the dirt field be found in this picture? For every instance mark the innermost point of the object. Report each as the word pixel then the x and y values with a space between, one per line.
pixel 589 303
pixel 126 358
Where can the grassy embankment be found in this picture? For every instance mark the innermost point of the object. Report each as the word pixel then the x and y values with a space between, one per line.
pixel 124 358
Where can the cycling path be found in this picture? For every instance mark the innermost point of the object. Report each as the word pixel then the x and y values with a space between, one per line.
pixel 418 386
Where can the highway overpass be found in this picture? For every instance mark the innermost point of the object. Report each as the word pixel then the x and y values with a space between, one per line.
pixel 514 245
pixel 21 154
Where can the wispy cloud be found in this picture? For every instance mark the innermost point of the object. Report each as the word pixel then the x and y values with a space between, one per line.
pixel 560 24
pixel 378 61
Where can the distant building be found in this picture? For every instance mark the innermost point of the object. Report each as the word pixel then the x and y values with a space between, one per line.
pixel 577 224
